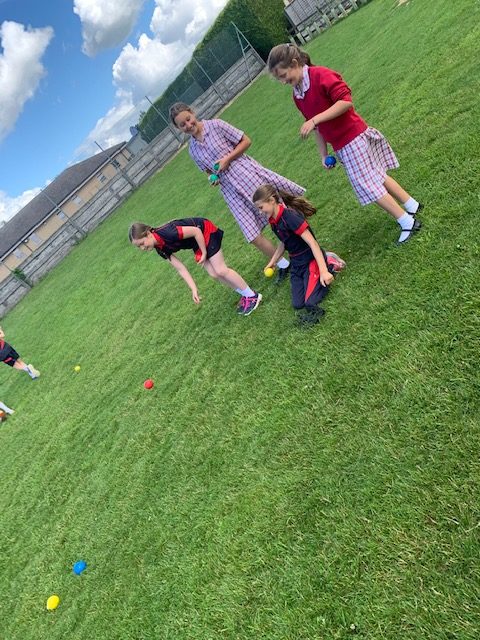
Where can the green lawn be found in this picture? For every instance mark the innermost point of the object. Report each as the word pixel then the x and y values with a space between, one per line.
pixel 276 483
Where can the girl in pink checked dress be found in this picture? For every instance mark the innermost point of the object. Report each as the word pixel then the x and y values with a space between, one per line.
pixel 215 142
pixel 325 100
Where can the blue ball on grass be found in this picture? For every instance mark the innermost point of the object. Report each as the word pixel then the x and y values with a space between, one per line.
pixel 79 567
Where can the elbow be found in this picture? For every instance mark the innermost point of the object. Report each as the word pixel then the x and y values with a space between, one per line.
pixel 246 141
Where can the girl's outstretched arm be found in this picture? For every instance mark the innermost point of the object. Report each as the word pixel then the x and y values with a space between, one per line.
pixel 241 147
pixel 184 273
pixel 325 275
pixel 2 335
pixel 337 109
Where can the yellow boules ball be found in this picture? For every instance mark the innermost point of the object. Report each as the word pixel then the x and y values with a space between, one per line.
pixel 269 272
pixel 53 602
pixel 76 368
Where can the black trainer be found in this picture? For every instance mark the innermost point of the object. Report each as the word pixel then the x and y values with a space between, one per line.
pixel 282 275
pixel 310 316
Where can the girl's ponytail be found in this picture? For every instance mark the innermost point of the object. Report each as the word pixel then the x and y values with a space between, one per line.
pixel 298 203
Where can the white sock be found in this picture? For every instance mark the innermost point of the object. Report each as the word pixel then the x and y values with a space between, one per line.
pixel 411 205
pixel 238 290
pixel 406 223
pixel 27 369
pixel 283 263
pixel 5 408
pixel 247 293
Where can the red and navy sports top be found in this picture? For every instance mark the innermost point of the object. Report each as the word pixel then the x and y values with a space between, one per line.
pixel 169 237
pixel 288 225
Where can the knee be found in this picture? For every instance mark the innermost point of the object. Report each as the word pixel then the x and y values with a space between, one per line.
pixel 221 273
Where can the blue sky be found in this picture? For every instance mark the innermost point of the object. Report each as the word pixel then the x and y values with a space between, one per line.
pixel 76 71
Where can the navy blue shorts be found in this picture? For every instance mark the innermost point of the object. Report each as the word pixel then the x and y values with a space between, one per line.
pixel 8 355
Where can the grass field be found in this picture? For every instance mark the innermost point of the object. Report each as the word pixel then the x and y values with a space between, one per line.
pixel 276 484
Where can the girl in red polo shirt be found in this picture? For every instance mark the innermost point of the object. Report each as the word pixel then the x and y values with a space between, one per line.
pixel 311 268
pixel 205 239
pixel 326 102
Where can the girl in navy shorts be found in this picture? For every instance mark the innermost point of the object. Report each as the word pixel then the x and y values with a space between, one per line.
pixel 311 270
pixel 9 356
pixel 205 240
pixel 325 100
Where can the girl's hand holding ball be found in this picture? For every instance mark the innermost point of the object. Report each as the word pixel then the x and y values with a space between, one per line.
pixel 268 271
pixel 329 162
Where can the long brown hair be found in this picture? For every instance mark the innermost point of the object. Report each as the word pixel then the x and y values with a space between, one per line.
pixel 138 230
pixel 283 56
pixel 266 191
pixel 177 108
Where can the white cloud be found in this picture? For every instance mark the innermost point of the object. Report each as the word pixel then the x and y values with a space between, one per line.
pixel 155 62
pixel 150 67
pixel 20 69
pixel 10 206
pixel 112 127
pixel 105 23
pixel 175 21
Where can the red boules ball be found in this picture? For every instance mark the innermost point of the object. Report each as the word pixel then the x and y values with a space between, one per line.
pixel 148 384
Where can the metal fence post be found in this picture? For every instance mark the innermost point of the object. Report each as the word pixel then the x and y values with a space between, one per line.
pixel 210 80
pixel 58 210
pixel 169 125
pixel 119 168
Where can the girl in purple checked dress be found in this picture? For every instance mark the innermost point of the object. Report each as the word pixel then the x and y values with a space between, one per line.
pixel 215 143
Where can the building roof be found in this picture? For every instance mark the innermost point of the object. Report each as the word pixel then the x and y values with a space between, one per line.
pixel 64 185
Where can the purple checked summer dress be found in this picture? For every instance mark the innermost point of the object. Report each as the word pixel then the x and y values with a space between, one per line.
pixel 242 178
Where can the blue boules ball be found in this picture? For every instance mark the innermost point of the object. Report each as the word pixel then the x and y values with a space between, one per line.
pixel 79 566
pixel 213 177
pixel 330 161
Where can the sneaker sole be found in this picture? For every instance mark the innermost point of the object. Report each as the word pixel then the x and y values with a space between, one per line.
pixel 335 261
pixel 259 299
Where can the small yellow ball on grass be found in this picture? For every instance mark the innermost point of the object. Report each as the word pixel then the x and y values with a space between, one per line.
pixel 76 368
pixel 53 602
pixel 269 272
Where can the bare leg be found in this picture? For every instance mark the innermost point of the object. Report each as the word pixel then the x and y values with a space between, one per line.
pixel 264 245
pixel 391 206
pixel 395 190
pixel 217 268
pixel 21 366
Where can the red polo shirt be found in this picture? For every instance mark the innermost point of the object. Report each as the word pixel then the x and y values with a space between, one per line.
pixel 326 88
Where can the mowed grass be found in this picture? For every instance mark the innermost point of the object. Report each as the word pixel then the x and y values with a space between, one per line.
pixel 276 483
